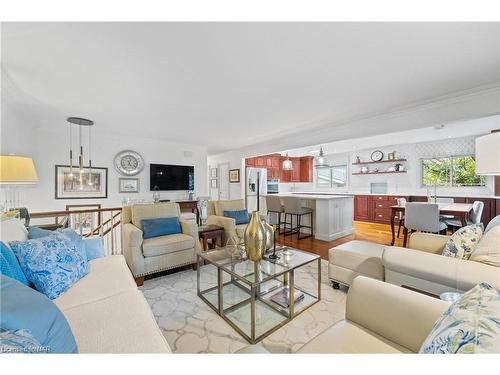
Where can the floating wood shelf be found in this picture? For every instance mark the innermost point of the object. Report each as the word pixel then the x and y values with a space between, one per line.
pixel 377 162
pixel 381 172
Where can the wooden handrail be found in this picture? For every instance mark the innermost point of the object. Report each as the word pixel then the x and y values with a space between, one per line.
pixel 96 230
pixel 36 215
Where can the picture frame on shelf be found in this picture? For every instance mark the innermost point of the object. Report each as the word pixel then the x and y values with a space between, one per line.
pixel 94 183
pixel 234 176
pixel 213 184
pixel 128 185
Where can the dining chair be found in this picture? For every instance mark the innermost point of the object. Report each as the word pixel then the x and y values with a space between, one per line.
pixel 275 206
pixel 400 216
pixel 423 217
pixel 293 208
pixel 443 201
pixel 475 217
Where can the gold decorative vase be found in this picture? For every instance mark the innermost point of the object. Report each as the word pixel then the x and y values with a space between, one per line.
pixel 255 238
pixel 269 235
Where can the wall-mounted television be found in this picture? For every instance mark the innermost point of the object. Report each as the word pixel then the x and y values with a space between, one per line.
pixel 171 177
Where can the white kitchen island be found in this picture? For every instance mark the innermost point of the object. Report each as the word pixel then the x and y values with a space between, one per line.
pixel 333 214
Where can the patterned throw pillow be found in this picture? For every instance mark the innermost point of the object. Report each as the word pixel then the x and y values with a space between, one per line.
pixel 19 341
pixel 51 263
pixel 463 242
pixel 470 325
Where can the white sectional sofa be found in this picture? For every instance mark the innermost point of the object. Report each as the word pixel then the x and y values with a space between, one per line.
pixel 379 318
pixel 105 310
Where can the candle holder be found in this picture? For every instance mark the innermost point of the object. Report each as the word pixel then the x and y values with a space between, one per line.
pixel 273 255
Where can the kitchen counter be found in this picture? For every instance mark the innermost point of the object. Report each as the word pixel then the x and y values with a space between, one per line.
pixel 333 215
pixel 402 194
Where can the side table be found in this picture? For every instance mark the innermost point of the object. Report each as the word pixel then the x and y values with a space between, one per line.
pixel 211 232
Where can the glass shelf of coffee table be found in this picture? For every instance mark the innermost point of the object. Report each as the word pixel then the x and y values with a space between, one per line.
pixel 257 298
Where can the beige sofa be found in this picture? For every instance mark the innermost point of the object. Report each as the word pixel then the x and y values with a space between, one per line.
pixel 152 255
pixel 420 266
pixel 423 267
pixel 105 310
pixel 379 318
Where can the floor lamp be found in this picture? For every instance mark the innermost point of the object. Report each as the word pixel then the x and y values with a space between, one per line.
pixel 15 171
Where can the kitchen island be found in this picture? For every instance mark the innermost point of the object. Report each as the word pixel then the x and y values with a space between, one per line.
pixel 333 214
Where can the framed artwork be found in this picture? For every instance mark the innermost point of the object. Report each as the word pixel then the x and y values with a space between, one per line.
pixel 213 184
pixel 213 172
pixel 128 185
pixel 84 223
pixel 234 176
pixel 88 186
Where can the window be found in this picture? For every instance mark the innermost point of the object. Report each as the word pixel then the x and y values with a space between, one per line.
pixel 451 171
pixel 332 177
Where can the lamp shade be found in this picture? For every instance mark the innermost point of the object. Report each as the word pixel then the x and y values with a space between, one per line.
pixel 488 154
pixel 17 170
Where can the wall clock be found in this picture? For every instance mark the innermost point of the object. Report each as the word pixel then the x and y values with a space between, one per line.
pixel 377 155
pixel 129 163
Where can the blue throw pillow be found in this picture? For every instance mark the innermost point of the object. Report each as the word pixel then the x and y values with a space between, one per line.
pixel 94 248
pixel 51 263
pixel 161 227
pixel 35 232
pixel 240 217
pixel 23 308
pixel 19 341
pixel 9 265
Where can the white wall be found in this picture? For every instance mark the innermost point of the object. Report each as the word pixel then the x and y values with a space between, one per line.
pixel 49 149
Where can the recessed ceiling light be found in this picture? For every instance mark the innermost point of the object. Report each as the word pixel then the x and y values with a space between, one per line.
pixel 314 152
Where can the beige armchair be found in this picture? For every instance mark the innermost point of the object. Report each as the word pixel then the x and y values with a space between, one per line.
pixel 215 212
pixel 148 256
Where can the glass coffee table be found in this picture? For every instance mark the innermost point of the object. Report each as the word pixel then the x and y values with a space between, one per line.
pixel 257 298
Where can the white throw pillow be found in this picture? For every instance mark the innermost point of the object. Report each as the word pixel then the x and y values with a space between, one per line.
pixel 470 325
pixel 488 249
pixel 463 242
pixel 12 230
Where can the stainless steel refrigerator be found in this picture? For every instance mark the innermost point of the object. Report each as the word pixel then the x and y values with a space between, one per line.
pixel 256 180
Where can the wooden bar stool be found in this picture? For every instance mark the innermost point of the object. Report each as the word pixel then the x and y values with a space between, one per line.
pixel 293 208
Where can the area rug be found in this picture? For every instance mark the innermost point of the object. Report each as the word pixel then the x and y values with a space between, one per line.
pixel 191 326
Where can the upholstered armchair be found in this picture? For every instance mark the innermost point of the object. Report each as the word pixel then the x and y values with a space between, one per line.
pixel 215 212
pixel 152 255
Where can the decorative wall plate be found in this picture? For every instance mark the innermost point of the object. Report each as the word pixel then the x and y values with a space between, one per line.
pixel 377 155
pixel 128 163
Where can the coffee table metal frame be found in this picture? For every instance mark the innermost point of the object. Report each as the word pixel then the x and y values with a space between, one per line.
pixel 253 289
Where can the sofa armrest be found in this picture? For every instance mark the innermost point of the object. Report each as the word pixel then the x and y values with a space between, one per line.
pixel 227 223
pixel 132 238
pixel 397 314
pixel 428 242
pixel 190 228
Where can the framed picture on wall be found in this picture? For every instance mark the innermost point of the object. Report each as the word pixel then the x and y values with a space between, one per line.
pixel 213 172
pixel 128 185
pixel 90 185
pixel 213 184
pixel 234 176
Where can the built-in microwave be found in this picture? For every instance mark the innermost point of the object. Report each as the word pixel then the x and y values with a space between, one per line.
pixel 273 186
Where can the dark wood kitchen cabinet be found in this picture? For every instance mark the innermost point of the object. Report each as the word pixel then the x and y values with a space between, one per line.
pixel 302 167
pixel 362 207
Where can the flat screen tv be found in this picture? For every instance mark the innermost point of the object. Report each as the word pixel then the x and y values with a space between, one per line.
pixel 171 177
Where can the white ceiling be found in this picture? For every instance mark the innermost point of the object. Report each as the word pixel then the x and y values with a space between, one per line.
pixel 231 85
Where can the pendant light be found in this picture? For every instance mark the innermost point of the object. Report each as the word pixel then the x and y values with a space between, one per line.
pixel 287 164
pixel 80 122
pixel 320 159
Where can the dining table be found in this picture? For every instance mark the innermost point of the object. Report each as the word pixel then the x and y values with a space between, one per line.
pixel 458 210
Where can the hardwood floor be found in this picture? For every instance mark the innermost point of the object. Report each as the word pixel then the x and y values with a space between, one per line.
pixel 380 233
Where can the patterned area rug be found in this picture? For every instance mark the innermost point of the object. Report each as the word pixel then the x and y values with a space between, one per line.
pixel 191 326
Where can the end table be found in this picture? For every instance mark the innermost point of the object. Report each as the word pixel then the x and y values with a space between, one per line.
pixel 211 232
